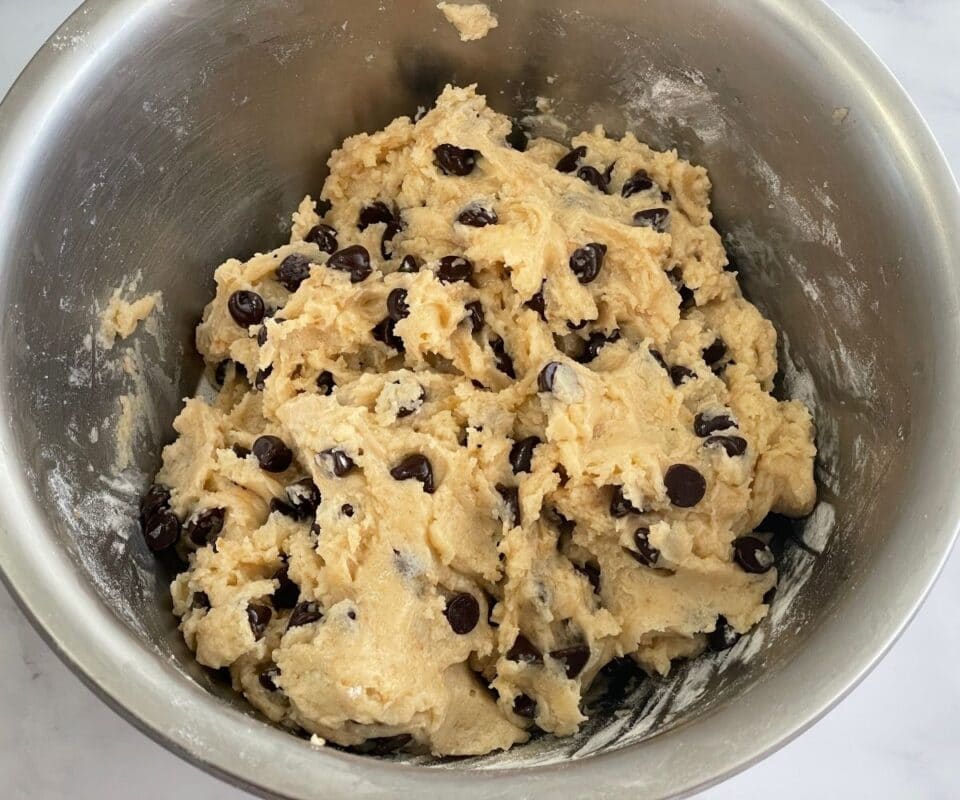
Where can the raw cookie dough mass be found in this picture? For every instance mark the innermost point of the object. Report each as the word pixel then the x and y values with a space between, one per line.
pixel 492 419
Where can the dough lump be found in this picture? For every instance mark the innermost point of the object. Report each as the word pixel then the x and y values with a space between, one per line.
pixel 472 21
pixel 490 420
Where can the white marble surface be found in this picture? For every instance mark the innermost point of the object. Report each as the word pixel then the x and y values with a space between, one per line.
pixel 897 736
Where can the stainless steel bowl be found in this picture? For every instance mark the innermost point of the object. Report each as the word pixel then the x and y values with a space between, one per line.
pixel 162 135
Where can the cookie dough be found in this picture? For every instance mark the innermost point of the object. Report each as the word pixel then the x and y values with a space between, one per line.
pixel 472 21
pixel 490 420
pixel 121 317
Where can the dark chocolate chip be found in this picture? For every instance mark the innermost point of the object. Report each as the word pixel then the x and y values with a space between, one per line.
pixel 685 485
pixel 733 445
pixel 525 706
pixel 680 374
pixel 638 182
pixel 753 555
pixel 375 213
pixel 518 138
pixel 260 379
pixel 665 197
pixel 521 454
pixel 524 651
pixel 268 678
pixel 156 497
pixel 304 613
pixel 577 326
pixel 538 303
pixel 502 358
pixel 204 527
pixel 592 573
pixel 262 336
pixel 620 505
pixel 477 216
pixel 723 636
pixel 687 297
pixel 246 308
pixel 326 382
pixel 259 617
pixel 324 237
pixel 658 357
pixel 340 463
pixel 571 160
pixel 462 612
pixel 293 271
pixel 594 177
pixel 409 264
pixel 705 424
pixel 511 499
pixel 272 453
pixel 389 233
pixel 417 467
pixel 353 259
pixel 287 593
pixel 453 160
pixel 323 206
pixel 240 451
pixel 397 307
pixel 595 342
pixel 385 331
pixel 200 600
pixel 564 526
pixel 347 510
pixel 284 508
pixel 713 354
pixel 548 376
pixel 656 218
pixel 454 268
pixel 161 530
pixel 475 315
pixel 574 659
pixel 645 553
pixel 586 261
pixel 406 411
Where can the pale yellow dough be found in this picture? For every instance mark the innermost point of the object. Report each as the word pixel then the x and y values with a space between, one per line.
pixel 121 317
pixel 472 21
pixel 384 660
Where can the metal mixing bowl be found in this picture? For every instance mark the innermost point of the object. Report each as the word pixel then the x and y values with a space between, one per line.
pixel 163 135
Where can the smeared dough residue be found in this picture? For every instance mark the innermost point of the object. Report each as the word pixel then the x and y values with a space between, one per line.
pixel 121 317
pixel 472 22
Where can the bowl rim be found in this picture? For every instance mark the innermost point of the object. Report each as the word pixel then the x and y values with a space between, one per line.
pixel 147 691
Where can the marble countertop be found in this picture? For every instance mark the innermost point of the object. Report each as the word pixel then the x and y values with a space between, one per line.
pixel 895 737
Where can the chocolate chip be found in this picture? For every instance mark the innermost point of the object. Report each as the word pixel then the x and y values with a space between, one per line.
pixel 293 271
pixel 620 505
pixel 284 508
pixel 517 138
pixel 204 527
pixel 389 233
pixel 753 555
pixel 658 357
pixel 476 216
pixel 323 206
pixel 161 530
pixel 723 636
pixel 304 613
pixel 713 354
pixel 462 612
pixel 548 376
pixel 524 651
pixel 246 308
pixel 571 160
pixel 680 374
pixel 574 659
pixel 326 382
pixel 262 336
pixel 595 342
pixel 406 411
pixel 397 307
pixel 592 573
pixel 687 297
pixel 324 237
pixel 259 617
pixel 638 182
pixel 524 706
pixel 347 510
pixel 340 463
pixel 538 303
pixel 417 467
pixel 475 315
pixel 156 498
pixel 511 499
pixel 200 600
pixel 586 261
pixel 385 331
pixel 454 268
pixel 685 485
pixel 409 264
pixel 268 678
pixel 353 259
pixel 733 445
pixel 375 213
pixel 594 177
pixel 287 593
pixel 705 424
pixel 272 453
pixel 521 454
pixel 260 379
pixel 645 553
pixel 240 451
pixel 502 358
pixel 453 160
pixel 564 526
pixel 656 218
